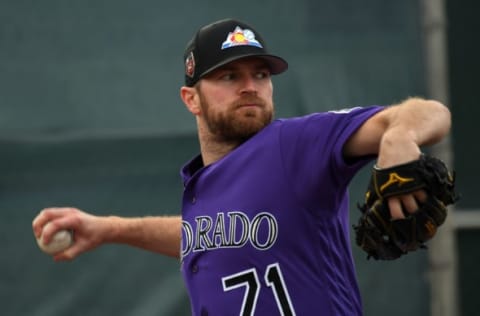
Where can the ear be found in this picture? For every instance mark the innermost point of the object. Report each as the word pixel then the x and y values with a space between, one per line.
pixel 189 96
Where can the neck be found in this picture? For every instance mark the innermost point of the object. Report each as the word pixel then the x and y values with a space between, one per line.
pixel 214 147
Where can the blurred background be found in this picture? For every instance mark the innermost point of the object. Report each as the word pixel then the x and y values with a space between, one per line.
pixel 90 116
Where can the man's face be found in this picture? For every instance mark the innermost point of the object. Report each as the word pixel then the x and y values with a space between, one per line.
pixel 236 99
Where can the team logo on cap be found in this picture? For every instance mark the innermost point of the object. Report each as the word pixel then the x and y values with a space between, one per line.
pixel 240 37
pixel 190 65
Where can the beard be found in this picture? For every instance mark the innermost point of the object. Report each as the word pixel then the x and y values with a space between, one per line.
pixel 237 124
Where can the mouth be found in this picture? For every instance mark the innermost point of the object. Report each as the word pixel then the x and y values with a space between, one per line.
pixel 251 104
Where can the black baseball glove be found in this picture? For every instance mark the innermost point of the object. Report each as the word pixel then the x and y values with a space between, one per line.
pixel 386 239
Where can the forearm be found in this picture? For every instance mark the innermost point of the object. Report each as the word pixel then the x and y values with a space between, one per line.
pixel 158 234
pixel 410 125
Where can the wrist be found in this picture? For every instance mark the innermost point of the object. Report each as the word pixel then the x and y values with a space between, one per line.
pixel 397 146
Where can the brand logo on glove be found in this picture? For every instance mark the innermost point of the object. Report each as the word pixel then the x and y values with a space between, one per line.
pixel 430 228
pixel 395 178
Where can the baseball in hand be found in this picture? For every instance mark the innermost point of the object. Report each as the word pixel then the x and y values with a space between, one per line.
pixel 60 241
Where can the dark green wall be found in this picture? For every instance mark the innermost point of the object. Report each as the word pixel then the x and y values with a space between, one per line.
pixel 464 63
pixel 107 65
pixel 129 177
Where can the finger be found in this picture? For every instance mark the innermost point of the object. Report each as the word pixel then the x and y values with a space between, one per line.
pixel 409 203
pixel 420 195
pixel 45 216
pixel 395 207
pixel 68 221
pixel 69 253
pixel 49 230
pixel 52 220
pixel 77 248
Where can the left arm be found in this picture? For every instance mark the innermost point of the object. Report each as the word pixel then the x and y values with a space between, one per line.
pixel 396 135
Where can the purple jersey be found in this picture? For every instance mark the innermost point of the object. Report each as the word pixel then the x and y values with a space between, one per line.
pixel 266 229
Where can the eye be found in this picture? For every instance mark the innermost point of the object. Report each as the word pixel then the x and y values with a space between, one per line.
pixel 263 74
pixel 227 76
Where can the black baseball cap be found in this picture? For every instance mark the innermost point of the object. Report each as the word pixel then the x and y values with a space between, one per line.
pixel 224 41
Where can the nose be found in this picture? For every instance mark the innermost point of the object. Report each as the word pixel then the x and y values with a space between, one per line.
pixel 248 85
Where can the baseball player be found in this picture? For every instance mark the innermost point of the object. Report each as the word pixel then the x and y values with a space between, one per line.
pixel 264 228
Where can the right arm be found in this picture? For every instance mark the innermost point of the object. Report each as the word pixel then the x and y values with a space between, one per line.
pixel 160 234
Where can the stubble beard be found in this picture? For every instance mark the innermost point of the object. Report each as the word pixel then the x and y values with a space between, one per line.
pixel 237 124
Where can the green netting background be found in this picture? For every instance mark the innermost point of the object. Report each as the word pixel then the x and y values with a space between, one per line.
pixel 90 117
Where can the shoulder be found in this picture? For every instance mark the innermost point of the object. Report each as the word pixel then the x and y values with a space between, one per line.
pixel 336 114
pixel 341 120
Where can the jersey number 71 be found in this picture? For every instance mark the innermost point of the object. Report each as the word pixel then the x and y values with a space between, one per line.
pixel 249 280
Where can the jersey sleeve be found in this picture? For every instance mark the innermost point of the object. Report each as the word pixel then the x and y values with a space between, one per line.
pixel 311 149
